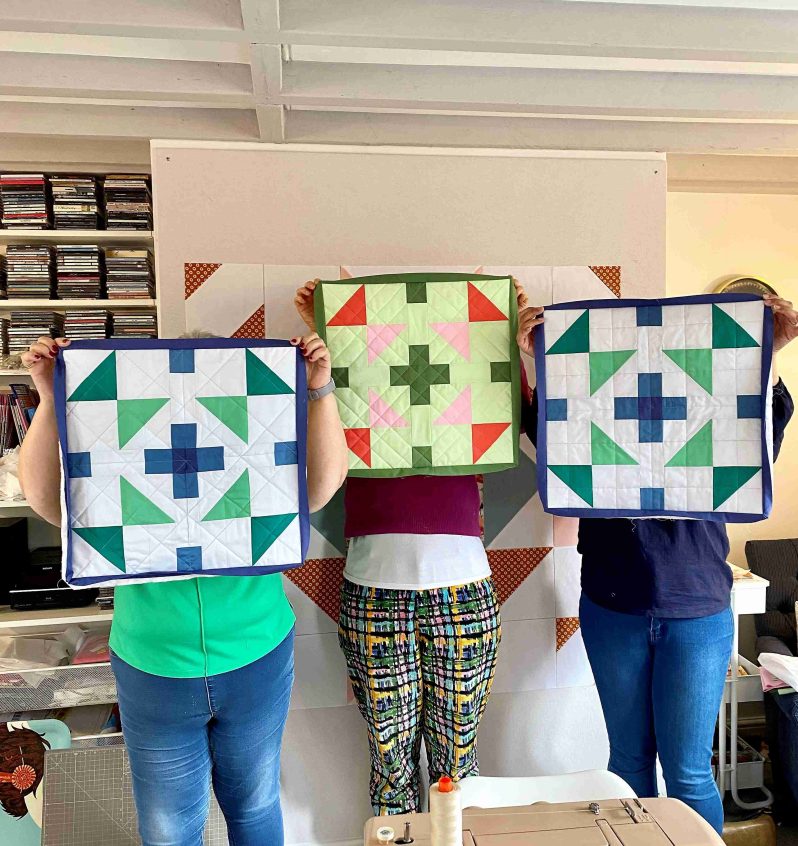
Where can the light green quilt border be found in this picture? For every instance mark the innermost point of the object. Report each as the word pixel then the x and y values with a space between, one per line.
pixel 515 368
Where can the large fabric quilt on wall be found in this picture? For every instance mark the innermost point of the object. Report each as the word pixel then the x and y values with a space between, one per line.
pixel 656 408
pixel 181 458
pixel 427 371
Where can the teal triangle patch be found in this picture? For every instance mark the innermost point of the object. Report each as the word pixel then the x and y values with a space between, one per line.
pixel 578 477
pixel 234 503
pixel 697 364
pixel 575 339
pixel 728 480
pixel 108 541
pixel 232 411
pixel 697 452
pixel 100 384
pixel 604 365
pixel 604 450
pixel 133 415
pixel 137 509
pixel 266 530
pixel 727 333
pixel 262 380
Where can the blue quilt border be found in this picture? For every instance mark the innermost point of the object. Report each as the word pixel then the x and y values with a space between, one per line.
pixel 540 377
pixel 59 389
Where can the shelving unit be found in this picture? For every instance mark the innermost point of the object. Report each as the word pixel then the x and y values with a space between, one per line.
pixel 107 237
pixel 14 508
pixel 64 305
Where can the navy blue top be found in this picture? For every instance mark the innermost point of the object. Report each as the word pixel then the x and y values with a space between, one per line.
pixel 662 567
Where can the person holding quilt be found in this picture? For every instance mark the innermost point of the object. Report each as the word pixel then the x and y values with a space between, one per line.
pixel 203 666
pixel 419 622
pixel 657 624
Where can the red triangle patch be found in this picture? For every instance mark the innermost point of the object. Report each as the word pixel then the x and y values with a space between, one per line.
pixel 359 441
pixel 511 567
pixel 353 311
pixel 484 436
pixel 255 327
pixel 320 579
pixel 480 308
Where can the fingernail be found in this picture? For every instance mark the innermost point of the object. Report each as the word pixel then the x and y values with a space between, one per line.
pixel 54 350
pixel 294 341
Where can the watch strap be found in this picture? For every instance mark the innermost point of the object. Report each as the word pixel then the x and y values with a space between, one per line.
pixel 318 393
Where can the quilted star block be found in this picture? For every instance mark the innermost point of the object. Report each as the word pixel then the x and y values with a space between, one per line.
pixel 656 408
pixel 182 457
pixel 427 371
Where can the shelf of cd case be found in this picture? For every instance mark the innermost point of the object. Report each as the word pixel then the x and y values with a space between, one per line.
pixel 75 236
pixel 66 305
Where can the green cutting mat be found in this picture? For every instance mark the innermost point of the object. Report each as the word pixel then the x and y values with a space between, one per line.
pixel 427 371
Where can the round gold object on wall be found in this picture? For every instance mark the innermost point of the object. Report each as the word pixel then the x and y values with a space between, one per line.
pixel 744 285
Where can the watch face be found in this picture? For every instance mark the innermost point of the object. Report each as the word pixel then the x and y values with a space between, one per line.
pixel 745 285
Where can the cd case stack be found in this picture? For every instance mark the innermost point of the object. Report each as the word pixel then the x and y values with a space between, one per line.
pixel 128 203
pixel 24 201
pixel 4 324
pixel 78 270
pixel 28 326
pixel 129 274
pixel 135 325
pixel 29 269
pixel 75 202
pixel 3 292
pixel 88 324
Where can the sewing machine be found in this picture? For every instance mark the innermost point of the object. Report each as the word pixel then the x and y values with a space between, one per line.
pixel 612 822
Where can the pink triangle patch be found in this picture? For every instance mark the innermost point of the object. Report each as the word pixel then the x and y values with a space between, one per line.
pixel 381 336
pixel 382 415
pixel 458 412
pixel 456 335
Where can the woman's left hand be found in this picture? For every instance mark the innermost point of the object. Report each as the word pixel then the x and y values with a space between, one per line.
pixel 520 294
pixel 785 321
pixel 317 360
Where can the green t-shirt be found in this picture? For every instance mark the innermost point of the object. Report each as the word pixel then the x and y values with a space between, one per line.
pixel 189 628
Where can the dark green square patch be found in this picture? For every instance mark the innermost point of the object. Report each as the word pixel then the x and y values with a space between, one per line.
pixel 500 371
pixel 416 292
pixel 340 376
pixel 422 456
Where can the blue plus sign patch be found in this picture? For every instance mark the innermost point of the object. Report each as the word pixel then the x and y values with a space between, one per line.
pixel 184 461
pixel 650 408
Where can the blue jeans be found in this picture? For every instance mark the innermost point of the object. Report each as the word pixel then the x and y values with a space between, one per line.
pixel 181 734
pixel 660 681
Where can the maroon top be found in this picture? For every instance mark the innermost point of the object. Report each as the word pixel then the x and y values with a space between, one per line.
pixel 412 505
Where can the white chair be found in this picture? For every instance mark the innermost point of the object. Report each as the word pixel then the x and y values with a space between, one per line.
pixel 590 785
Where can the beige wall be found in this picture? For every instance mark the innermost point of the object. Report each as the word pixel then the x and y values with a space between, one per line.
pixel 713 236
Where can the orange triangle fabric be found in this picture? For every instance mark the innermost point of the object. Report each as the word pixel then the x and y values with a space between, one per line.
pixel 480 308
pixel 610 275
pixel 195 274
pixel 353 311
pixel 359 441
pixel 484 436
pixel 567 627
pixel 255 326
pixel 320 580
pixel 511 567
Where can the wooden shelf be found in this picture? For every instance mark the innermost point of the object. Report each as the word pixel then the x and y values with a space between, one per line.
pixel 14 374
pixel 52 617
pixel 75 236
pixel 65 305
pixel 14 508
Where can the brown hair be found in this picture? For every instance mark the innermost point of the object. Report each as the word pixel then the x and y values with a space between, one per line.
pixel 18 747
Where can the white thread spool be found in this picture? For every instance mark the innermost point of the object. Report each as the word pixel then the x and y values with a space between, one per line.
pixel 446 813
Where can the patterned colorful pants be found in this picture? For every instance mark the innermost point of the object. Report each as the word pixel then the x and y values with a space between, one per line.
pixel 421 665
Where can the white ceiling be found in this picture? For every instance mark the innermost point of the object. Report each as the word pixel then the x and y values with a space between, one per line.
pixel 83 79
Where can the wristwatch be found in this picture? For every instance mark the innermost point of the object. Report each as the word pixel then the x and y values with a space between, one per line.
pixel 318 393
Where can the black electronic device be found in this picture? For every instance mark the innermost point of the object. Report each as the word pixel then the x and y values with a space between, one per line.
pixel 37 583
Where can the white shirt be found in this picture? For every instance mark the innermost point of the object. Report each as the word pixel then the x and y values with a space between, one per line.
pixel 416 562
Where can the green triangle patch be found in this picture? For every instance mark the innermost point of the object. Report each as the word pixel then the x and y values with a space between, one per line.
pixel 133 415
pixel 697 364
pixel 262 380
pixel 604 450
pixel 100 384
pixel 232 411
pixel 728 480
pixel 697 452
pixel 266 530
pixel 604 365
pixel 727 333
pixel 575 339
pixel 108 541
pixel 578 477
pixel 233 504
pixel 137 509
